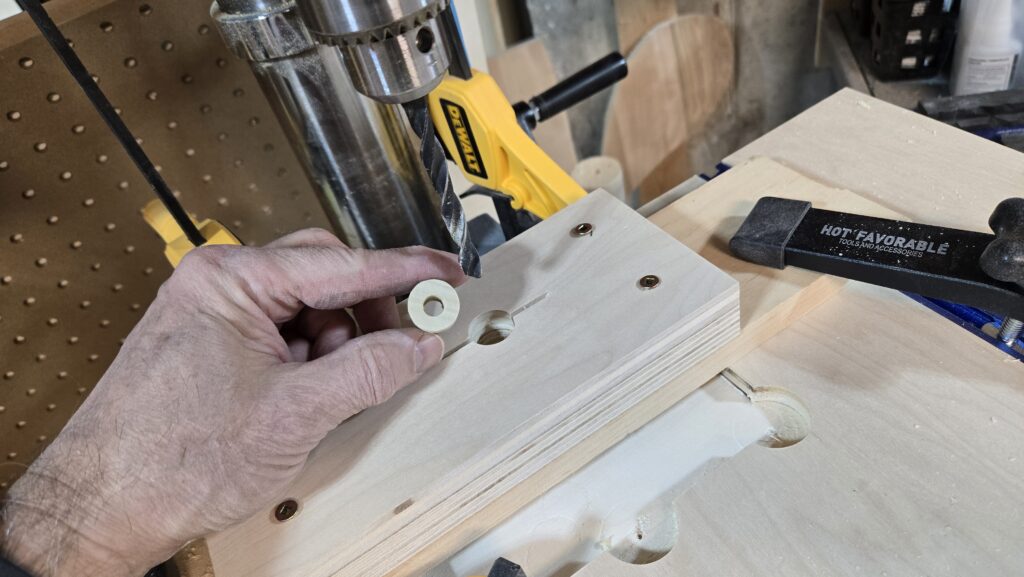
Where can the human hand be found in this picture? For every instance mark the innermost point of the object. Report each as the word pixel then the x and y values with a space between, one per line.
pixel 246 359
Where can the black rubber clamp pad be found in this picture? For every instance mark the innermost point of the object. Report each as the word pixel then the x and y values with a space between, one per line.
pixel 763 236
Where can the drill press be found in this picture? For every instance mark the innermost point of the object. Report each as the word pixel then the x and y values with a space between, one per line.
pixel 335 73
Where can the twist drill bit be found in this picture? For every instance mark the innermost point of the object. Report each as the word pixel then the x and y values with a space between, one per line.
pixel 432 155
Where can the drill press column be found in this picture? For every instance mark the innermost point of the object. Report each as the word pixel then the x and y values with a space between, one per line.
pixel 358 152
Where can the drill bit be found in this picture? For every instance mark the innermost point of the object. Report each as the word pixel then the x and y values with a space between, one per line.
pixel 432 155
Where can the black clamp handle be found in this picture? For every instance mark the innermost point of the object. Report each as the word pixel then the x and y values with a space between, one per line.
pixel 571 91
pixel 1003 258
pixel 972 268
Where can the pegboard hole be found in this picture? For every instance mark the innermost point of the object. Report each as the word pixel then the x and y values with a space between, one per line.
pixel 78 129
pixel 62 283
pixel 190 152
pixel 130 62
pixel 76 244
pixel 6 280
pixel 4 165
pixel 172 125
pixel 145 10
pixel 17 237
pixel 29 301
pixel 187 79
pixel 203 30
pixel 53 97
pixel 221 63
pixel 151 95
pixel 66 175
pixel 205 109
pixel 14 116
pixel 107 26
pixel 167 45
pixel 40 147
pixel 41 262
pixel 102 159
pixel 88 202
pixel 26 63
pixel 52 220
pixel 28 193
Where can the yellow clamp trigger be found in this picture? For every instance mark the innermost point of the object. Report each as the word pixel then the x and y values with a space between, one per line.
pixel 178 245
pixel 478 127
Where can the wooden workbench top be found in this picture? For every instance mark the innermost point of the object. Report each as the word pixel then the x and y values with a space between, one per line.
pixel 915 462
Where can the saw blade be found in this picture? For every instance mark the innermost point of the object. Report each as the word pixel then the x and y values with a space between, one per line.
pixel 432 155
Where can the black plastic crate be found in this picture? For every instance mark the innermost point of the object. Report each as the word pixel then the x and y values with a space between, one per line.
pixel 910 38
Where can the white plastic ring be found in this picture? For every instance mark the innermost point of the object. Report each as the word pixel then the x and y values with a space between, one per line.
pixel 433 306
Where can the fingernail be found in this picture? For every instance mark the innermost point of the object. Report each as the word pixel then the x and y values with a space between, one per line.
pixel 429 349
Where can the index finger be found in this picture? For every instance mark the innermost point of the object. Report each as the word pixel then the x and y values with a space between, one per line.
pixel 281 281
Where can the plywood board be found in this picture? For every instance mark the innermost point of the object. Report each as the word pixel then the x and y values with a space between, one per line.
pixel 524 71
pixel 919 167
pixel 634 18
pixel 914 465
pixel 704 221
pixel 679 75
pixel 588 344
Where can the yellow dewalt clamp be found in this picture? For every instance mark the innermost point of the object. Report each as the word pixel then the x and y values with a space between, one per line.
pixel 178 244
pixel 491 140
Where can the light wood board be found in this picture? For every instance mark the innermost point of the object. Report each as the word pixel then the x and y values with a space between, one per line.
pixel 588 344
pixel 634 18
pixel 524 71
pixel 914 465
pixel 929 171
pixel 704 220
pixel 679 75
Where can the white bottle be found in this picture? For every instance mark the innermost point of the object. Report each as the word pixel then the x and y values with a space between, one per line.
pixel 986 51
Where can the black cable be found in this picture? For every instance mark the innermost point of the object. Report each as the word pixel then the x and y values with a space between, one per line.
pixel 71 61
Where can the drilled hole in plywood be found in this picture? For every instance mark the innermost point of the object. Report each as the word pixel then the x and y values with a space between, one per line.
pixel 491 327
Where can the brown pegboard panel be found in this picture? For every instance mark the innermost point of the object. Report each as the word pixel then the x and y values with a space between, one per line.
pixel 78 266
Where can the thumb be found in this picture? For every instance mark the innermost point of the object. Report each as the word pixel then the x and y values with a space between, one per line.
pixel 368 370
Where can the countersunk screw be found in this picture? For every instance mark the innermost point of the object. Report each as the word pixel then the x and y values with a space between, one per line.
pixel 648 281
pixel 286 509
pixel 582 229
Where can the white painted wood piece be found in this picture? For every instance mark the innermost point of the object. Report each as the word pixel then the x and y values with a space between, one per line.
pixel 433 306
pixel 399 487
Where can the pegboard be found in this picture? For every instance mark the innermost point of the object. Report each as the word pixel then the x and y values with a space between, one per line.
pixel 78 266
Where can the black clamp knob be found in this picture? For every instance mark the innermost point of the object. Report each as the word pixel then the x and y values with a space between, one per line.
pixel 1003 258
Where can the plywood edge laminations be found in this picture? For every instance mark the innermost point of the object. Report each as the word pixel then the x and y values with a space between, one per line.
pixel 598 318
